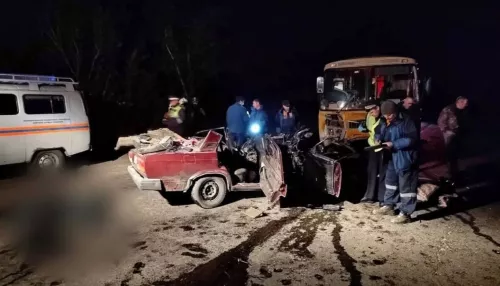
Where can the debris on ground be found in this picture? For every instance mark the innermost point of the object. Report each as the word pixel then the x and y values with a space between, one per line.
pixel 425 191
pixel 255 212
pixel 158 140
pixel 444 200
pixel 326 207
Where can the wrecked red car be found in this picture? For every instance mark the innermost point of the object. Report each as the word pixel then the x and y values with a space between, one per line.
pixel 205 167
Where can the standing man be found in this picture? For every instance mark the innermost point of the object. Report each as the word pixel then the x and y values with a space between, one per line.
pixel 237 121
pixel 410 108
pixel 448 122
pixel 258 119
pixel 399 135
pixel 258 124
pixel 408 102
pixel 286 119
pixel 375 188
pixel 175 118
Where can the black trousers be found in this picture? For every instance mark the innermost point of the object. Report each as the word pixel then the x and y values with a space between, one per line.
pixel 377 166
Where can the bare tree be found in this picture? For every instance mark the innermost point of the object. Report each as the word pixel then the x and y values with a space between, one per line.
pixel 168 39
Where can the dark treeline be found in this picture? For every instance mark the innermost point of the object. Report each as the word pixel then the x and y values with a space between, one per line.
pixel 130 55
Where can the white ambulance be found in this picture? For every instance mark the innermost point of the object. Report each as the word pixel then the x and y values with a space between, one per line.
pixel 43 120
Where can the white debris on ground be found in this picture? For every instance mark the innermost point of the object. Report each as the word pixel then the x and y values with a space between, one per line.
pixel 158 140
pixel 425 191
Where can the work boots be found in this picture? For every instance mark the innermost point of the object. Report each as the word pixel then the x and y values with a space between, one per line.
pixel 385 210
pixel 401 218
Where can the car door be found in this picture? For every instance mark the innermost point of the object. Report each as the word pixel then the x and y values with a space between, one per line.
pixel 272 180
pixel 324 166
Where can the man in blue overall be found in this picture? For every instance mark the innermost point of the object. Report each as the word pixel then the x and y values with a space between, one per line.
pixel 400 136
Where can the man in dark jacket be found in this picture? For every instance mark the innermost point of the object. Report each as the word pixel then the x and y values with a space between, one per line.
pixel 286 119
pixel 237 121
pixel 449 124
pixel 399 135
pixel 409 107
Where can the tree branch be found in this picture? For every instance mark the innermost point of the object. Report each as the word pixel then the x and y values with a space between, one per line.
pixel 175 64
pixel 55 37
pixel 77 59
pixel 96 56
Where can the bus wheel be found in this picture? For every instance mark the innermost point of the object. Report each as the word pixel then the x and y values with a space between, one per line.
pixel 48 160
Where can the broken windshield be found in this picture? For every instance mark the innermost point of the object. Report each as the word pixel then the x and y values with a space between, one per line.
pixel 340 85
pixel 356 85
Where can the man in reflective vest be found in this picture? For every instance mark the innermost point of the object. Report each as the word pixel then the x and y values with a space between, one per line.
pixel 377 162
pixel 175 117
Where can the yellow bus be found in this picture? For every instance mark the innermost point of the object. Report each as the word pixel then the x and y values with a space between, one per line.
pixel 348 85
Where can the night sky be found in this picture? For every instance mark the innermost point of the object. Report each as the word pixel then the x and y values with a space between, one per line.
pixel 274 49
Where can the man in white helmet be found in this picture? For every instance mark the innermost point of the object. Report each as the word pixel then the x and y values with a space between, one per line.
pixel 175 117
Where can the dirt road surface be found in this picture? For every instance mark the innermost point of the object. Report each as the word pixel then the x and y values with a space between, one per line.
pixel 182 244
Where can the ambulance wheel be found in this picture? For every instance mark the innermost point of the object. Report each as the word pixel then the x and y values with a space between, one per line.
pixel 209 192
pixel 48 160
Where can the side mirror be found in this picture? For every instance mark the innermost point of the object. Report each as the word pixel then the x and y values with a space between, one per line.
pixel 320 84
pixel 428 86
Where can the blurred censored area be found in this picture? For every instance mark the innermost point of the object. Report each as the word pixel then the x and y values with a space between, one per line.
pixel 63 223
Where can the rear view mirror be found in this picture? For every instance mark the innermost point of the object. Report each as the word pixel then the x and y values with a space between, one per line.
pixel 320 83
pixel 428 86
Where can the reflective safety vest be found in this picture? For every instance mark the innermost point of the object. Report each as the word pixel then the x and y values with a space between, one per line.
pixel 173 112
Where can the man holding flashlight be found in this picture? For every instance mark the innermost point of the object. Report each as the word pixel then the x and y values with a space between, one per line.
pixel 399 135
pixel 258 122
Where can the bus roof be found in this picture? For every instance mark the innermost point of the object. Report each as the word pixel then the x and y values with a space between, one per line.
pixel 369 62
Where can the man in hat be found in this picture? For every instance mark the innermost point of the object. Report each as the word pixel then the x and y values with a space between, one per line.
pixel 399 136
pixel 375 188
pixel 286 119
pixel 175 117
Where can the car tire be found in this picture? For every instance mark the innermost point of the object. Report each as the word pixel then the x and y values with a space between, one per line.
pixel 209 192
pixel 48 159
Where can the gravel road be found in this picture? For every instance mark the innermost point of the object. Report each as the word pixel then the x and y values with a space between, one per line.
pixel 178 243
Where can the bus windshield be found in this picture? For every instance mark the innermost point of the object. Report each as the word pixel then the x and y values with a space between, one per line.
pixel 361 84
pixel 351 81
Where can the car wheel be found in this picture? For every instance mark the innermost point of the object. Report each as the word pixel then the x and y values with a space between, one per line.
pixel 48 160
pixel 209 192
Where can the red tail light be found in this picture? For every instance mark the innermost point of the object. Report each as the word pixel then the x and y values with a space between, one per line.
pixel 139 162
pixel 131 157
